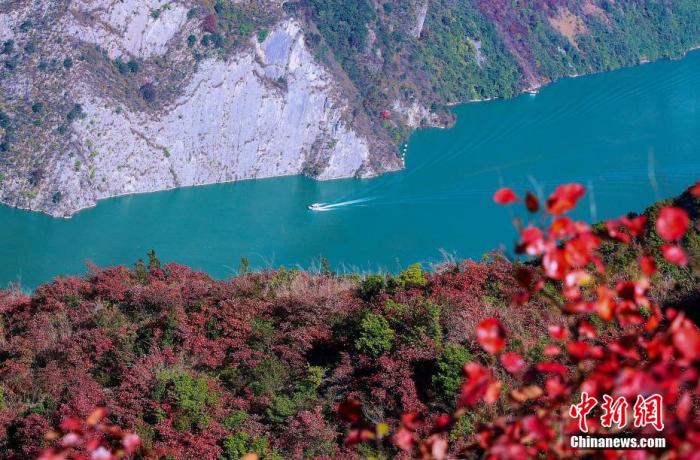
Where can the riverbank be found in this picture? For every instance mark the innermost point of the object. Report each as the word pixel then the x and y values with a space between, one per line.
pixel 595 129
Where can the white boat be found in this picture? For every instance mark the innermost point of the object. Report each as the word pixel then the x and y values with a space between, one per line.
pixel 532 91
pixel 316 207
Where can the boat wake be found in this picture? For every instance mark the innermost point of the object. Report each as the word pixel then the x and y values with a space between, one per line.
pixel 322 207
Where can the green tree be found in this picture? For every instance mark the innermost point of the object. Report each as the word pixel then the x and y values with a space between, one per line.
pixel 190 395
pixel 449 375
pixel 376 335
pixel 153 261
pixel 243 266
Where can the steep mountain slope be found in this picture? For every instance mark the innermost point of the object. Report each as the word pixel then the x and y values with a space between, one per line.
pixel 107 97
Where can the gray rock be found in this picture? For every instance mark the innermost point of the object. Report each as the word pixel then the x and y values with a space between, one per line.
pixel 269 110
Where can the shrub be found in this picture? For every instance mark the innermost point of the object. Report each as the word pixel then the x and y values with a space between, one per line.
pixel 241 443
pixel 372 286
pixel 133 66
pixel 8 46
pixel 75 113
pixel 190 395
pixel 449 374
pixel 269 377
pixel 235 419
pixel 210 23
pixel 236 446
pixel 413 277
pixel 148 92
pixel 375 335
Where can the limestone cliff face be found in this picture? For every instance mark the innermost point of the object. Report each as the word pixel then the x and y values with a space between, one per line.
pixel 233 121
pixel 269 109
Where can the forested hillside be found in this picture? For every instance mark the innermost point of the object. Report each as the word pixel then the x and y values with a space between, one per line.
pixel 437 52
pixel 288 364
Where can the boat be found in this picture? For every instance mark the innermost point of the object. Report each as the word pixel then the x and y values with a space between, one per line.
pixel 532 91
pixel 316 207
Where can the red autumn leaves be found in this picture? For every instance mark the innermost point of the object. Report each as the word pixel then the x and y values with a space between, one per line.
pixel 90 438
pixel 650 350
pixel 491 336
pixel 564 198
pixel 505 196
pixel 671 225
pixel 561 201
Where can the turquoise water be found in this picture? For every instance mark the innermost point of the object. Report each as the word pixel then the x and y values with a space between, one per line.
pixel 600 130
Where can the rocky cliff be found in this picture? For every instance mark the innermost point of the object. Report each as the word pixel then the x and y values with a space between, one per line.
pixel 266 109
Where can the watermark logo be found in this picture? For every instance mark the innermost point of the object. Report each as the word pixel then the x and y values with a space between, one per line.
pixel 647 412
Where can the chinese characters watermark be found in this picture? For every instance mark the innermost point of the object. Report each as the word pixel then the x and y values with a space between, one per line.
pixel 646 411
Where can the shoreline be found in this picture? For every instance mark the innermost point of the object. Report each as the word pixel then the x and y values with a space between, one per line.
pixel 534 88
pixel 542 85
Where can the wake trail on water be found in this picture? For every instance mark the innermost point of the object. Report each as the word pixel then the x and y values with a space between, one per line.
pixel 344 204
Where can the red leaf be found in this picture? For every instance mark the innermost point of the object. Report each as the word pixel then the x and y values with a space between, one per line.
pixel 695 189
pixel 97 415
pixel 404 439
pixel 564 198
pixel 479 384
pixel 551 350
pixel 587 330
pixel 635 225
pixel 613 227
pixel 537 428
pixel 505 195
pixel 555 387
pixel 438 447
pixel 562 227
pixel 531 202
pixel 686 337
pixel 675 254
pixel 578 350
pixel 491 335
pixel 555 264
pixel 672 223
pixel 550 367
pixel 350 410
pixel 411 420
pixel 648 265
pixel 131 442
pixel 71 424
pixel 512 362
pixel 443 422
pixel 558 332
pixel 532 239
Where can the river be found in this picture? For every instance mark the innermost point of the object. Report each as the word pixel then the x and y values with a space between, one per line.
pixel 610 131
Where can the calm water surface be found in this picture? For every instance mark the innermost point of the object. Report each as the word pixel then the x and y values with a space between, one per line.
pixel 598 130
